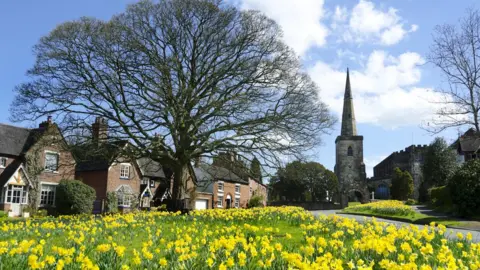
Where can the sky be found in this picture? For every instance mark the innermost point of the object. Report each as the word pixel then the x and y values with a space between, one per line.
pixel 383 43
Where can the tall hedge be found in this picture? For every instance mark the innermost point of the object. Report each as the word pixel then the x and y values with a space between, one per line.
pixel 465 188
pixel 74 197
pixel 402 185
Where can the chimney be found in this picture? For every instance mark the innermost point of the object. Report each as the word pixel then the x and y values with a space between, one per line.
pixel 45 124
pixel 99 129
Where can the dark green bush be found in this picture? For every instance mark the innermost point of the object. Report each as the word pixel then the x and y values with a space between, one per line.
pixel 112 202
pixel 255 201
pixel 465 188
pixel 74 197
pixel 440 196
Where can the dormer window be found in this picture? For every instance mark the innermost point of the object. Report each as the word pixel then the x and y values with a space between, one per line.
pixel 350 151
pixel 3 162
pixel 51 161
pixel 124 171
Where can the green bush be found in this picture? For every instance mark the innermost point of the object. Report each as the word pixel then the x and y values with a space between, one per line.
pixel 465 188
pixel 74 197
pixel 402 185
pixel 112 203
pixel 440 196
pixel 3 214
pixel 411 202
pixel 41 213
pixel 255 201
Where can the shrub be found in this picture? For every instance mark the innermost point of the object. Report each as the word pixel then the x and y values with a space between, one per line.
pixel 255 201
pixel 40 213
pixel 3 214
pixel 440 196
pixel 162 207
pixel 402 185
pixel 411 202
pixel 74 197
pixel 465 188
pixel 112 202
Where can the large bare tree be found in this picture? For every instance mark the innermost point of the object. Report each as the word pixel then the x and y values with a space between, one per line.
pixel 456 52
pixel 179 79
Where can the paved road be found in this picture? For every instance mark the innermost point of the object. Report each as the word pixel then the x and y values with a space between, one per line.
pixel 451 233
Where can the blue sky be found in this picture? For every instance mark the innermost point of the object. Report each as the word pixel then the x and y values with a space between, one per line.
pixel 384 43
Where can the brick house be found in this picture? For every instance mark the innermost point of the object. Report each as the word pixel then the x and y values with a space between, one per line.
pixel 154 184
pixel 467 146
pixel 101 166
pixel 219 187
pixel 32 161
pixel 256 188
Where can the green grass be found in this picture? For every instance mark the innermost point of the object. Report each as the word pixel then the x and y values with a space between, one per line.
pixel 415 218
pixel 353 203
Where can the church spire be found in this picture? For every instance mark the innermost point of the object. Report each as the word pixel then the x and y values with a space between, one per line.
pixel 349 127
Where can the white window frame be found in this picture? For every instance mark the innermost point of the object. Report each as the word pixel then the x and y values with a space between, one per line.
pixel 237 202
pixel 3 160
pixel 220 184
pixel 124 199
pixel 58 161
pixel 237 186
pixel 122 166
pixel 9 191
pixel 54 193
pixel 152 183
pixel 220 201
pixel 145 181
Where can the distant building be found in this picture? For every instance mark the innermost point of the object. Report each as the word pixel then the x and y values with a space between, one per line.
pixel 349 166
pixel 411 159
pixel 467 146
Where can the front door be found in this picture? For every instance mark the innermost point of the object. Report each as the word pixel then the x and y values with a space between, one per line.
pixel 17 193
pixel 229 203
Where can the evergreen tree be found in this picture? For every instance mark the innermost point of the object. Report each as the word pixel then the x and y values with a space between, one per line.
pixel 402 185
pixel 439 163
pixel 256 170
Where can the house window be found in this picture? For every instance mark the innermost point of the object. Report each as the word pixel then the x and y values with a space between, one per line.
pixel 124 200
pixel 145 181
pixel 3 162
pixel 152 183
pixel 350 151
pixel 220 186
pixel 47 195
pixel 51 161
pixel 125 171
pixel 237 202
pixel 125 196
pixel 16 194
pixel 237 189
pixel 220 201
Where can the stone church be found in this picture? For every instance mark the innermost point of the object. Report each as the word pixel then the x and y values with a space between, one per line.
pixel 349 166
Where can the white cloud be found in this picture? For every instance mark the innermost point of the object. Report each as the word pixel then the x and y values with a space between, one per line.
pixel 369 24
pixel 300 20
pixel 385 91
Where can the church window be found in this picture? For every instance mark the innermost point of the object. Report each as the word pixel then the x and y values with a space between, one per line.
pixel 350 151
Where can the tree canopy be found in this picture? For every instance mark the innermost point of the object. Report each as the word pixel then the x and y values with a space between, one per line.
pixel 299 180
pixel 439 163
pixel 179 79
pixel 402 185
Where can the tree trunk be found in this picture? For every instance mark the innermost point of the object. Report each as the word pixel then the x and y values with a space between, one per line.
pixel 179 196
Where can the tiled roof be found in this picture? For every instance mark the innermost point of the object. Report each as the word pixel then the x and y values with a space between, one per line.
pixel 150 168
pixel 13 139
pixel 93 157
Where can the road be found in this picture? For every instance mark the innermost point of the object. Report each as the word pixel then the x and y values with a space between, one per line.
pixel 451 233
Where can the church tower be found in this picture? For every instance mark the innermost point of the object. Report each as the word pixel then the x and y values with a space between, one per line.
pixel 349 166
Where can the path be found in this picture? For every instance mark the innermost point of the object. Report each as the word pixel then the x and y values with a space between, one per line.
pixel 451 233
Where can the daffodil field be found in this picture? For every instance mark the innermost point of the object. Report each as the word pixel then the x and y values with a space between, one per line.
pixel 388 207
pixel 260 238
